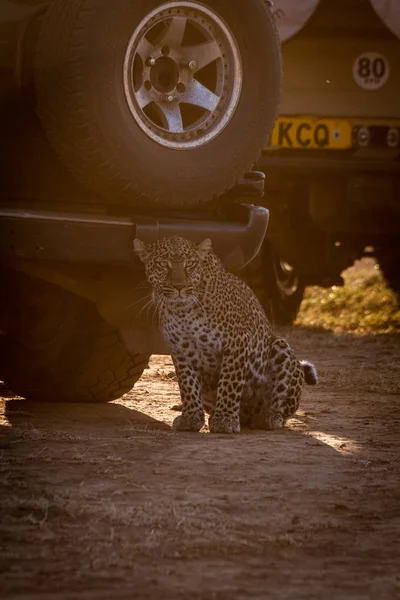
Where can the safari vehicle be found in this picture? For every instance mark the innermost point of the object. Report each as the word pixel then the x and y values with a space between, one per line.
pixel 333 165
pixel 119 120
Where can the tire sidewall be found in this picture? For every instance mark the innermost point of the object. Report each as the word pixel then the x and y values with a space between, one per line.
pixel 260 275
pixel 284 303
pixel 78 351
pixel 388 263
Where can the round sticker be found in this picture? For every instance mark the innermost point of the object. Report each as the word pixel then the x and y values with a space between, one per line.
pixel 371 70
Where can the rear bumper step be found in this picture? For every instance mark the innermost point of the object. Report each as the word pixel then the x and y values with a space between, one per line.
pixel 73 237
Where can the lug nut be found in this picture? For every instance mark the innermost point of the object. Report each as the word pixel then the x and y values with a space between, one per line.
pixel 151 61
pixel 392 137
pixel 167 98
pixel 363 137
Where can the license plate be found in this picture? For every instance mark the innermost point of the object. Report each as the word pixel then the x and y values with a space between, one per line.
pixel 311 133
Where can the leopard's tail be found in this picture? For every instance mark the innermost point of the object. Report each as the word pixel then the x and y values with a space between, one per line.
pixel 310 372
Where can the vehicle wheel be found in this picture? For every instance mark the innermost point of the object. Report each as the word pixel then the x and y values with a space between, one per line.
pixel 58 348
pixel 389 264
pixel 277 284
pixel 155 102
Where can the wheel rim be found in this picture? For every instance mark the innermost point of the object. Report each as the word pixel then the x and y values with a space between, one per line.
pixel 286 277
pixel 182 75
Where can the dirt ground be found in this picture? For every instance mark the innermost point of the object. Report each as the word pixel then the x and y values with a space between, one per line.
pixel 105 502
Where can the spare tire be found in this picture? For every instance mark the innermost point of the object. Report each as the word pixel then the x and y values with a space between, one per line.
pixel 158 103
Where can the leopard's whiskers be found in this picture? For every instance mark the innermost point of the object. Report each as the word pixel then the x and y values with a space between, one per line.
pixel 143 308
pixel 197 301
pixel 156 309
pixel 137 301
pixel 142 284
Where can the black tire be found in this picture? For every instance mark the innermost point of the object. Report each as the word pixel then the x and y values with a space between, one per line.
pixel 58 348
pixel 389 265
pixel 278 285
pixel 85 113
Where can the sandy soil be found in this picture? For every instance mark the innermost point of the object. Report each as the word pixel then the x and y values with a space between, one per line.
pixel 104 501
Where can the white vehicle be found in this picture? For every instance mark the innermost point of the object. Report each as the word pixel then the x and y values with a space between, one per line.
pixel 333 164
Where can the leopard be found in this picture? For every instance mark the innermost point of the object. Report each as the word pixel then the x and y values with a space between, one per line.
pixel 228 362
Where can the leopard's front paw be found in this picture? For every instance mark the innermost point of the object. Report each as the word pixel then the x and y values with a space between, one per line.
pixel 188 422
pixel 223 424
pixel 269 421
pixel 275 421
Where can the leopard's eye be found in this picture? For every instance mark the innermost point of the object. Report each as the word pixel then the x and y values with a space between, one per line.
pixel 190 263
pixel 162 263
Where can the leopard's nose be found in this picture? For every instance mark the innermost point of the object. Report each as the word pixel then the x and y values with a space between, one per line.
pixel 179 286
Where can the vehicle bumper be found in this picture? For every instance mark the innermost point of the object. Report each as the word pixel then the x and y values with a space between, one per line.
pixel 344 192
pixel 236 235
pixel 307 162
pixel 65 249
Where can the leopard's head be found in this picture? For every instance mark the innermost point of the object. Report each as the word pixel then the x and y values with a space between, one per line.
pixel 173 267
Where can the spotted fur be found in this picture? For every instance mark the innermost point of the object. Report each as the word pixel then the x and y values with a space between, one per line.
pixel 227 360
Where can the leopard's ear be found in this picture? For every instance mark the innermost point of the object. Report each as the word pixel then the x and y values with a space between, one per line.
pixel 141 250
pixel 204 248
